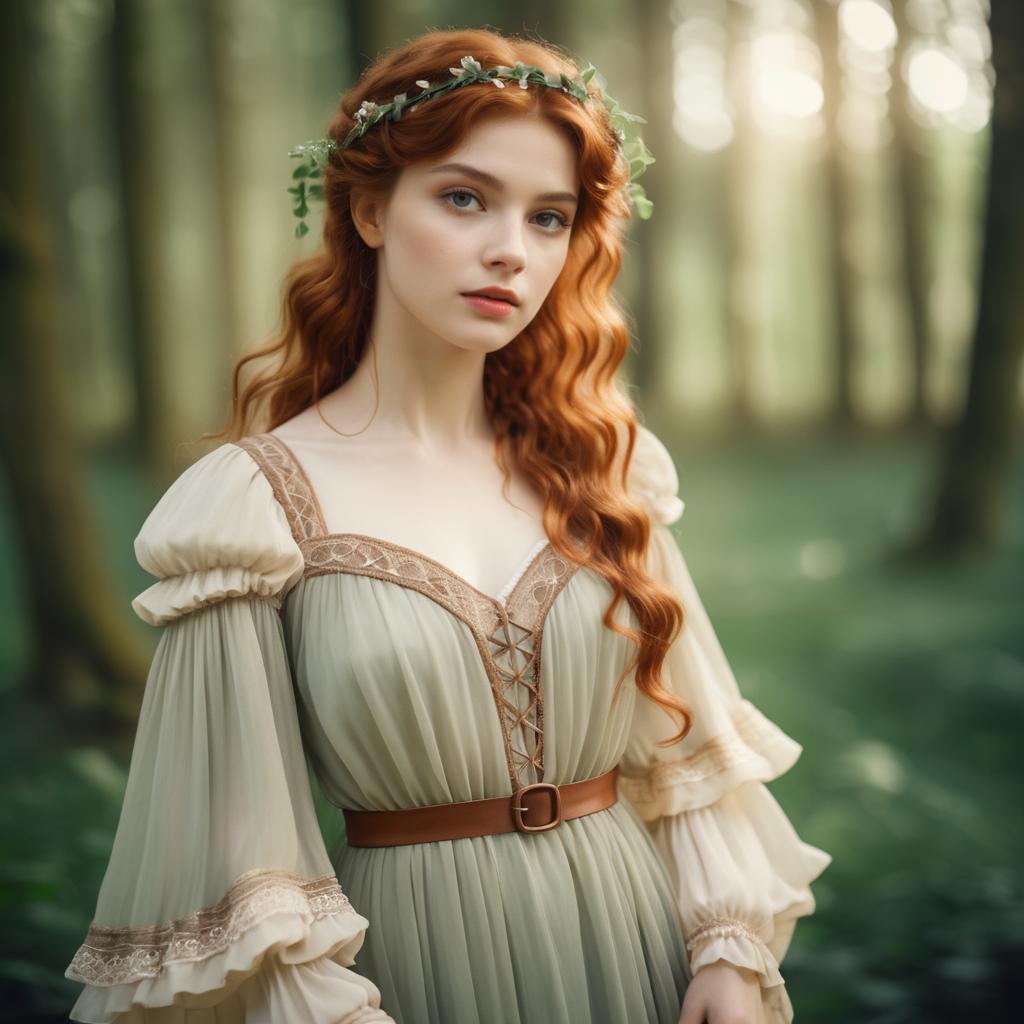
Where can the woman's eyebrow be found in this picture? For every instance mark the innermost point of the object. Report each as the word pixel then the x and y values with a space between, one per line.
pixel 496 184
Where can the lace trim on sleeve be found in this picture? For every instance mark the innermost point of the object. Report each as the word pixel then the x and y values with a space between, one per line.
pixel 125 954
pixel 721 928
pixel 753 747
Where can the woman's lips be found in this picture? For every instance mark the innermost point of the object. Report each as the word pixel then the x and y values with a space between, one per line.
pixel 495 307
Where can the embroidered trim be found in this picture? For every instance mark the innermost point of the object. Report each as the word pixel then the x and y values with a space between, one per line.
pixel 290 484
pixel 721 928
pixel 753 733
pixel 368 556
pixel 508 633
pixel 120 955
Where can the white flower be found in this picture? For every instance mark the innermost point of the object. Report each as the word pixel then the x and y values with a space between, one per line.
pixel 498 82
pixel 522 82
pixel 366 109
pixel 422 83
pixel 469 66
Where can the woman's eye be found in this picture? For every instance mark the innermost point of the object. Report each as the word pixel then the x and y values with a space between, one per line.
pixel 459 192
pixel 559 222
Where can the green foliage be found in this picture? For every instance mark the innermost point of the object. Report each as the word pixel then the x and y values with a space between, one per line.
pixel 906 689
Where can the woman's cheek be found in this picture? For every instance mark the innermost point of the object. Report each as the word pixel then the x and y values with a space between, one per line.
pixel 435 239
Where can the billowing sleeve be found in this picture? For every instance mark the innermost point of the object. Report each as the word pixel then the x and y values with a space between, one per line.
pixel 740 872
pixel 219 901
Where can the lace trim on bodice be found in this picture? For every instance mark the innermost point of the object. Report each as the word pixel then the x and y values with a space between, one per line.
pixel 508 632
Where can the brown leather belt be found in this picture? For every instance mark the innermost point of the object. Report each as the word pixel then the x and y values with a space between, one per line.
pixel 534 808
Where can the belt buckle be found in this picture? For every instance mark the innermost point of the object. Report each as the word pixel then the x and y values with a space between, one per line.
pixel 518 807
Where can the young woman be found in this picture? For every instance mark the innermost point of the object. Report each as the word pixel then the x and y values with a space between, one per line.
pixel 441 568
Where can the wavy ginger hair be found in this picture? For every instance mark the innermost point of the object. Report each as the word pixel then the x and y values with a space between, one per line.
pixel 551 393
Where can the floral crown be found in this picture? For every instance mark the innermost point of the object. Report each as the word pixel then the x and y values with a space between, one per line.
pixel 316 153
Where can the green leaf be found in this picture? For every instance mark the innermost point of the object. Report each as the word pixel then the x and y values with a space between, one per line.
pixel 302 229
pixel 637 166
pixel 302 171
pixel 315 191
pixel 644 207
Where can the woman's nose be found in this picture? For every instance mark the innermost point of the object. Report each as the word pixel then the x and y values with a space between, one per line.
pixel 507 245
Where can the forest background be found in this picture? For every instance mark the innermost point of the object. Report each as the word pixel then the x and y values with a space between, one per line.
pixel 828 314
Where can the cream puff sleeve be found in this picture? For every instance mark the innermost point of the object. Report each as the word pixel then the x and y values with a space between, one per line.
pixel 219 900
pixel 741 873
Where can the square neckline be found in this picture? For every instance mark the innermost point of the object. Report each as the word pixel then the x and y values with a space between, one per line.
pixel 540 547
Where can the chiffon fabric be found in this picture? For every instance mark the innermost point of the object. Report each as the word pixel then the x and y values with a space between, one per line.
pixel 285 648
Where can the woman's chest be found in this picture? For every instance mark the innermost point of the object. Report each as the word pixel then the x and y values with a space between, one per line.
pixel 458 509
pixel 427 672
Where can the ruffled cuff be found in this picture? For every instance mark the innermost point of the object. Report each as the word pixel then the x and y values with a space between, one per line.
pixel 735 942
pixel 201 960
pixel 742 877
pixel 732 939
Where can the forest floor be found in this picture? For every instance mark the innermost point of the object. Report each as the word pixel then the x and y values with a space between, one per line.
pixel 904 684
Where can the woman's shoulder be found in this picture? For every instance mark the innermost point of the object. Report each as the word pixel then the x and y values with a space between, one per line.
pixel 652 477
pixel 218 528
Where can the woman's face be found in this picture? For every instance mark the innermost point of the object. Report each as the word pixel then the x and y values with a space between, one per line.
pixel 499 220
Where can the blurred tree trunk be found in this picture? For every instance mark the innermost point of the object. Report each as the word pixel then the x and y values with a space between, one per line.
pixel 979 446
pixel 652 239
pixel 913 207
pixel 88 665
pixel 125 115
pixel 168 130
pixel 275 75
pixel 838 269
pixel 740 261
pixel 221 34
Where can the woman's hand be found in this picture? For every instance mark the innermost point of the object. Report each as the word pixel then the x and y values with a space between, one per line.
pixel 722 993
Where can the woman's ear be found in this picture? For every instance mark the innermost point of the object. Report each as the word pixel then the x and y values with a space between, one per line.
pixel 367 210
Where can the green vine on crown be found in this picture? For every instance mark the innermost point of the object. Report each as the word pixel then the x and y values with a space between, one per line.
pixel 315 154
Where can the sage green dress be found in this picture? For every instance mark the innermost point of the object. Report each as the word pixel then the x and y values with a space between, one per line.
pixel 403 685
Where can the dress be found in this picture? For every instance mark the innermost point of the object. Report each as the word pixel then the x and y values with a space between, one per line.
pixel 402 685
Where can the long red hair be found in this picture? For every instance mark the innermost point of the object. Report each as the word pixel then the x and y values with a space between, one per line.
pixel 551 393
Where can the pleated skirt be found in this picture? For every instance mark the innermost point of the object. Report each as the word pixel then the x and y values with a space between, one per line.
pixel 576 925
